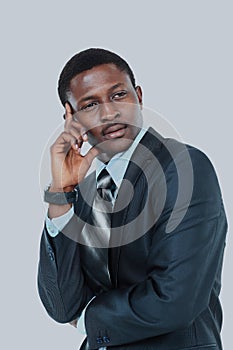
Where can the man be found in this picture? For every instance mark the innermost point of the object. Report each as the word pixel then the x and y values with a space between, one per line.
pixel 142 266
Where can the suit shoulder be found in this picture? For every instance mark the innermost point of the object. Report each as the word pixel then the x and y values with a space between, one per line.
pixel 181 151
pixel 192 168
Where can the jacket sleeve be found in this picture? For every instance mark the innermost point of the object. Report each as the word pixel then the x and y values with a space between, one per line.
pixel 61 283
pixel 181 267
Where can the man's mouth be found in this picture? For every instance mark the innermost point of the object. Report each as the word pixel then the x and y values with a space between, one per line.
pixel 114 131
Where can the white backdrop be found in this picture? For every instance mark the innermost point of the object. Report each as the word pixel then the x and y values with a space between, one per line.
pixel 181 53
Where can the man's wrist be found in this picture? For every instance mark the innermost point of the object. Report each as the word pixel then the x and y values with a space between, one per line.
pixel 54 188
pixel 58 196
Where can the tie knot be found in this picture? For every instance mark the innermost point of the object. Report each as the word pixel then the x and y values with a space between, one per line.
pixel 105 185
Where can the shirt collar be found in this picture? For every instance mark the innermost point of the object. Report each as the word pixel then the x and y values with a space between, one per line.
pixel 118 164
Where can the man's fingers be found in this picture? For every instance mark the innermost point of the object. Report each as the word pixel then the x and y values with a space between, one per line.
pixel 64 142
pixel 68 111
pixel 91 154
pixel 73 127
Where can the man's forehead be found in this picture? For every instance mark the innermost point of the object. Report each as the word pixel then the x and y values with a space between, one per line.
pixel 103 74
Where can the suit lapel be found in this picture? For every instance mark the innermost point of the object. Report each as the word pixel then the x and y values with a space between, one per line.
pixel 142 157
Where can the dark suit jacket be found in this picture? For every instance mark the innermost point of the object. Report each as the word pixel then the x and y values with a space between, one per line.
pixel 165 262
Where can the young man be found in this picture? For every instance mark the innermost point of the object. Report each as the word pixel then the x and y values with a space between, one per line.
pixel 136 247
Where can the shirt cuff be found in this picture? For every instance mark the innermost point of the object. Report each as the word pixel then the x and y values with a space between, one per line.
pixel 81 320
pixel 55 225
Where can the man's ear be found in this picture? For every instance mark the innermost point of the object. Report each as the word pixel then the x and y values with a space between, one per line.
pixel 138 90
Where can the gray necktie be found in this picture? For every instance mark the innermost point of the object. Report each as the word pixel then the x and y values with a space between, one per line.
pixel 101 229
pixel 102 208
pixel 106 186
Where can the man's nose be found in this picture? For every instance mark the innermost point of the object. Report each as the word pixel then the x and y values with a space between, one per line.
pixel 108 112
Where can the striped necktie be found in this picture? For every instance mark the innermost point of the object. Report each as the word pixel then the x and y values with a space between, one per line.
pixel 103 207
pixel 101 227
pixel 106 186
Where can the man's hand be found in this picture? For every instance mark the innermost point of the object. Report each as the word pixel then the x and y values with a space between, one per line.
pixel 69 167
pixel 74 323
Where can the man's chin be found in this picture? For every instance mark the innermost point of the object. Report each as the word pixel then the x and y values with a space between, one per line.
pixel 110 148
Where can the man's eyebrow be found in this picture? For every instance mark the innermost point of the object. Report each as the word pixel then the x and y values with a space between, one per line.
pixel 93 97
pixel 90 97
pixel 116 86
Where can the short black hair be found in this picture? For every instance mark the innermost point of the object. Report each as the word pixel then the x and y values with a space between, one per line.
pixel 85 60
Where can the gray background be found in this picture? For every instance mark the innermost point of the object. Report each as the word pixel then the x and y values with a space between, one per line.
pixel 181 52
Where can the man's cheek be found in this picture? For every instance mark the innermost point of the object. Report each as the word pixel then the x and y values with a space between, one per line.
pixel 132 114
pixel 93 137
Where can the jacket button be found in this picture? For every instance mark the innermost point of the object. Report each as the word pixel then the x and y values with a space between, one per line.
pixel 51 256
pixel 106 339
pixel 99 340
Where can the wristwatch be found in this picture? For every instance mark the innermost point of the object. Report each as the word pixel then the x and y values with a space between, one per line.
pixel 60 198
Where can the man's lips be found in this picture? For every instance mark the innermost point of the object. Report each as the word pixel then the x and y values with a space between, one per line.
pixel 114 130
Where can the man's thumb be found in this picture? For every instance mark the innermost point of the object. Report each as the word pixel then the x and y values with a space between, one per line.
pixel 91 154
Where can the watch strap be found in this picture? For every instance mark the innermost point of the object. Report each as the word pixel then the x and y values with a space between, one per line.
pixel 60 198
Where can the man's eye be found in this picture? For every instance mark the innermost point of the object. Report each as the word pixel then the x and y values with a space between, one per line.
pixel 119 94
pixel 89 106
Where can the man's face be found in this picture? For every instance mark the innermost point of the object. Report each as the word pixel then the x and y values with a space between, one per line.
pixel 107 105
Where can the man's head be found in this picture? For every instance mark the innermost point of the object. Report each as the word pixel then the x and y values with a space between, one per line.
pixel 100 89
pixel 86 60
